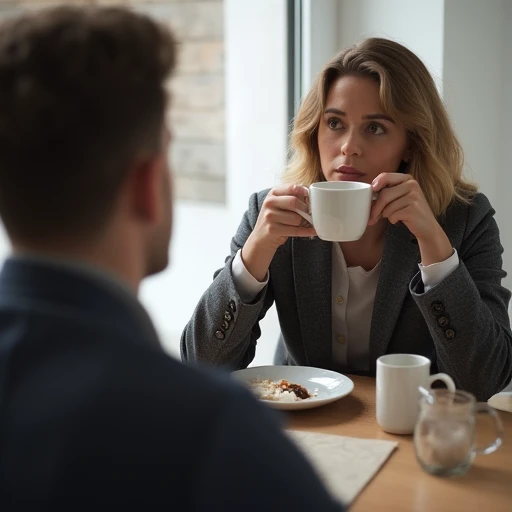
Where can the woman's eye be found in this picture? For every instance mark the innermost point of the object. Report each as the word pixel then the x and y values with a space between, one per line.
pixel 376 129
pixel 333 123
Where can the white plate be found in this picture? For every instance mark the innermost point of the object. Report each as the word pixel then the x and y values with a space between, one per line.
pixel 329 386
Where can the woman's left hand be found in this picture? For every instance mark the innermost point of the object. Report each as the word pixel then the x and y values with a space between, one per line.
pixel 401 199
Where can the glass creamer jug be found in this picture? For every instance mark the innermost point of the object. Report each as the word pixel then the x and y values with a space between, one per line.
pixel 444 436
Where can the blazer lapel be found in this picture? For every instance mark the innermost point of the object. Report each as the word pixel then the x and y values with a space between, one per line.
pixel 312 274
pixel 399 264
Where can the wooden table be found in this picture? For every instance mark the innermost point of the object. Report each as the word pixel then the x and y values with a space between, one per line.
pixel 401 485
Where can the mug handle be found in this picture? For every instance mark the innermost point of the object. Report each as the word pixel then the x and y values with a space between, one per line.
pixel 443 377
pixel 487 409
pixel 304 215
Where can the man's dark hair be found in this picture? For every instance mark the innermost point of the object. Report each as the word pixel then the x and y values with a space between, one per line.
pixel 82 92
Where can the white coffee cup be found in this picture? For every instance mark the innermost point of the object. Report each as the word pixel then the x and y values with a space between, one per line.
pixel 339 209
pixel 399 380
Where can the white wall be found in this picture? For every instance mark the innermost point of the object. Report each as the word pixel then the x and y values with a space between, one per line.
pixel 319 37
pixel 477 54
pixel 256 95
pixel 505 182
pixel 473 76
pixel 4 244
pixel 414 23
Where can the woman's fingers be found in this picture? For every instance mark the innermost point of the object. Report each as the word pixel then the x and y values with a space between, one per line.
pixel 279 220
pixel 386 197
pixel 287 203
pixel 284 217
pixel 396 210
pixel 289 197
pixel 278 230
pixel 389 179
pixel 290 190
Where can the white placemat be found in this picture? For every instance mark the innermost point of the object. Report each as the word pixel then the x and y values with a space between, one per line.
pixel 345 464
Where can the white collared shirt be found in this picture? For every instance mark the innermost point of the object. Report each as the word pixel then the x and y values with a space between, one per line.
pixel 353 296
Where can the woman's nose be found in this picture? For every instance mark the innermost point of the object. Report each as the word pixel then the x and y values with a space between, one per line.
pixel 350 145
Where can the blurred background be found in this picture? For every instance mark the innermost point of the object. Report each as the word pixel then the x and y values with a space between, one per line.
pixel 244 66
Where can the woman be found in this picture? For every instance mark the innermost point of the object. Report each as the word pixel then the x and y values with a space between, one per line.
pixel 425 278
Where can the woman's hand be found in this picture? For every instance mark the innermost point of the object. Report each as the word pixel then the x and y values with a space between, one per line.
pixel 276 222
pixel 401 199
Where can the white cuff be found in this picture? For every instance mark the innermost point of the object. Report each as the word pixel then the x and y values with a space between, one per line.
pixel 432 275
pixel 246 284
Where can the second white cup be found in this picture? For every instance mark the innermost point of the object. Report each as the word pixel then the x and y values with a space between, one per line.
pixel 339 209
pixel 399 378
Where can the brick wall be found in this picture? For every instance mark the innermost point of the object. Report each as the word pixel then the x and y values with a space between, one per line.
pixel 197 116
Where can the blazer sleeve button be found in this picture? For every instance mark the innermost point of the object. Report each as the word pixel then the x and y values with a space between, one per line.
pixel 219 334
pixel 225 325
pixel 232 306
pixel 449 334
pixel 228 316
pixel 437 307
pixel 443 321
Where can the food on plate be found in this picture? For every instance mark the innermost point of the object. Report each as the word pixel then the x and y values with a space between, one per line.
pixel 279 390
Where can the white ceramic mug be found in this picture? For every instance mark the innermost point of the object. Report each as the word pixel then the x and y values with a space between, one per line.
pixel 399 379
pixel 339 209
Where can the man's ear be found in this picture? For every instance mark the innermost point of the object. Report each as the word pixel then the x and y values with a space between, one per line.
pixel 143 185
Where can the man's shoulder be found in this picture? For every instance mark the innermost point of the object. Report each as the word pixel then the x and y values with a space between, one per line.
pixel 115 368
pixel 153 376
pixel 191 382
pixel 161 399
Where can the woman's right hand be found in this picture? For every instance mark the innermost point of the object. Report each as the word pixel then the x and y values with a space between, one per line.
pixel 276 222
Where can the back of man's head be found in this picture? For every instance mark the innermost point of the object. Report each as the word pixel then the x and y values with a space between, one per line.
pixel 82 93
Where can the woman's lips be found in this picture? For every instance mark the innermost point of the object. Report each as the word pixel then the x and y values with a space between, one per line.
pixel 347 173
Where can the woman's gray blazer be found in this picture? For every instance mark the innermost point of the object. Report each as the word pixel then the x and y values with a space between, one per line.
pixel 461 324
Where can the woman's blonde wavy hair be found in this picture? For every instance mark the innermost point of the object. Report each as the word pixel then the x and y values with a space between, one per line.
pixel 408 94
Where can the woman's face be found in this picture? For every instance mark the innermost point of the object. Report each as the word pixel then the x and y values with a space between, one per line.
pixel 356 139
